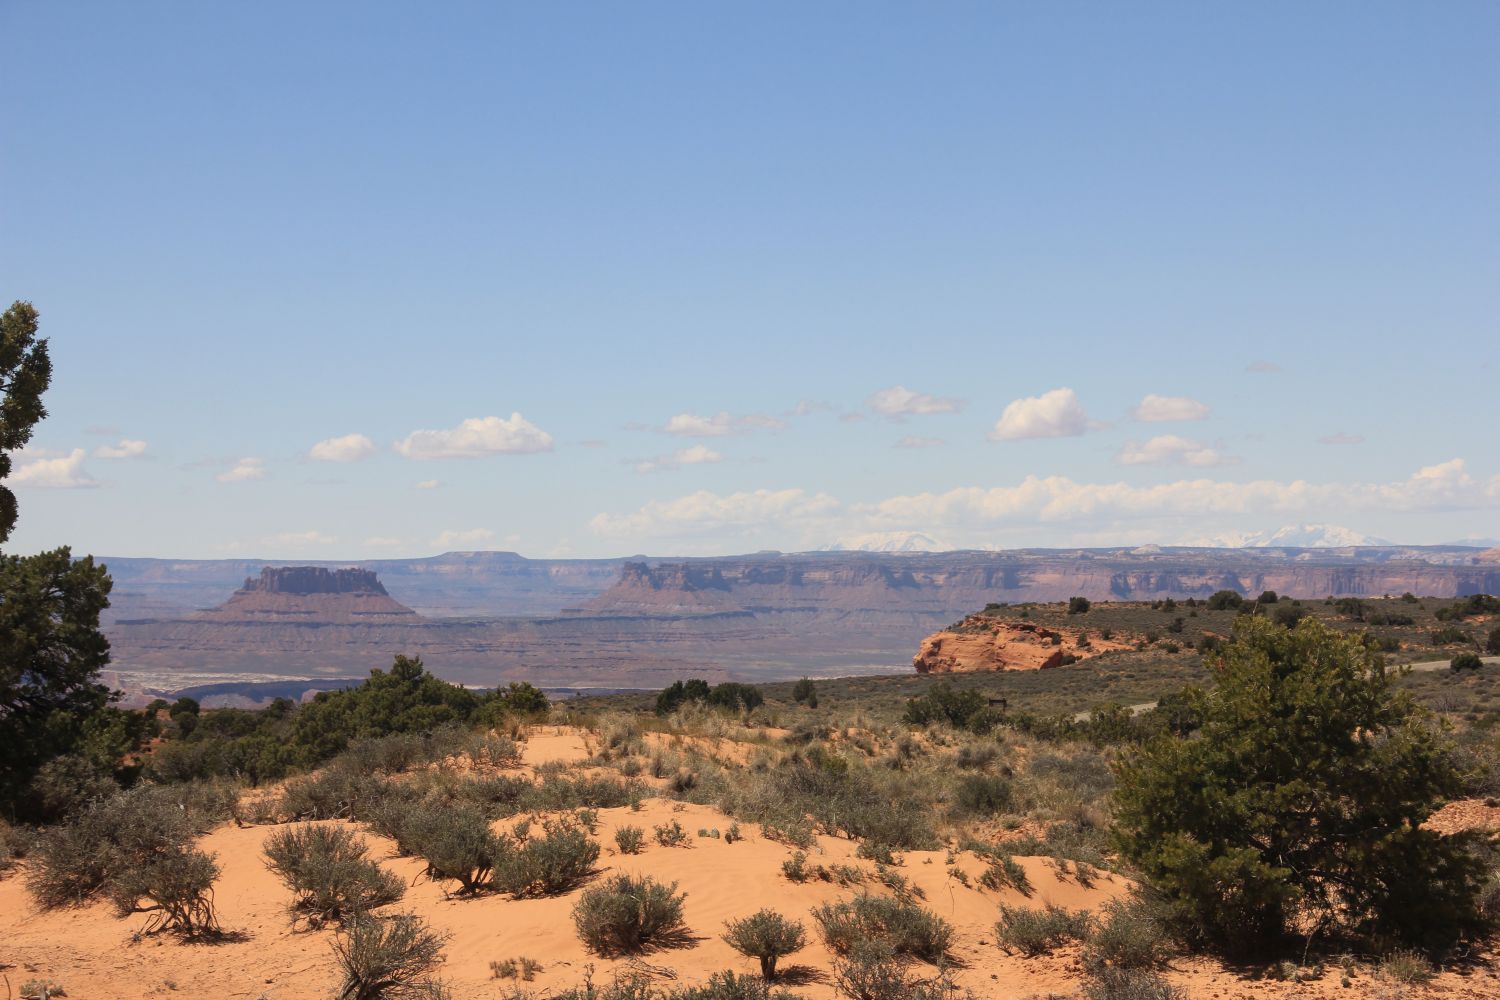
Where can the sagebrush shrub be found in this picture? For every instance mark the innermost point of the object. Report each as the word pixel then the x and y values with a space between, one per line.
pixel 1035 932
pixel 383 957
pixel 1004 872
pixel 78 860
pixel 179 883
pixel 629 839
pixel 1107 983
pixel 983 795
pixel 871 972
pixel 548 865
pixel 338 792
pixel 672 835
pixel 328 873
pixel 456 843
pixel 627 914
pixel 900 926
pixel 1129 935
pixel 765 935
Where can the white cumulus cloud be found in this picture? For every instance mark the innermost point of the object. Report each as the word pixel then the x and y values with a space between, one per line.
pixel 477 437
pixel 349 448
pixel 125 449
pixel 43 469
pixel 899 401
pixel 698 454
pixel 1037 506
pixel 1159 409
pixel 1051 415
pixel 244 470
pixel 1169 449
pixel 464 539
pixel 1445 486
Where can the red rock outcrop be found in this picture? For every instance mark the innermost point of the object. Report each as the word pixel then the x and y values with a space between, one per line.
pixel 978 645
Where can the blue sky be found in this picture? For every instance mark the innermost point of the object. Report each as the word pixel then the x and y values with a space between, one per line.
pixel 254 228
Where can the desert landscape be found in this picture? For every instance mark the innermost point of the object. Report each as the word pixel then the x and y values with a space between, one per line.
pixel 777 501
pixel 970 796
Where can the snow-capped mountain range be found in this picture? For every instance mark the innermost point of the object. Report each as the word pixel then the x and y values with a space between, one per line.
pixel 1292 536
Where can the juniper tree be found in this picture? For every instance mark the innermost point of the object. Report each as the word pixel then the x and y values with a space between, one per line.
pixel 1300 802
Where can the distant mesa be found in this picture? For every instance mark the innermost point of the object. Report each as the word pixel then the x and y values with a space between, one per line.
pixel 310 594
pixel 313 580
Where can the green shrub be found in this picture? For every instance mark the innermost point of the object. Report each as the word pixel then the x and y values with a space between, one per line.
pixel 1465 661
pixel 1005 872
pixel 983 795
pixel 42 989
pixel 456 843
pixel 901 926
pixel 1320 813
pixel 627 914
pixel 328 873
pixel 871 972
pixel 1130 935
pixel 1450 636
pixel 1225 600
pixel 65 786
pixel 72 863
pixel 795 867
pixel 637 986
pixel 805 692
pixel 765 935
pixel 1078 605
pixel 945 703
pixel 337 792
pixel 1036 932
pixel 1108 983
pixel 1406 967
pixel 629 839
pixel 548 865
pixel 728 986
pixel 555 794
pixel 384 957
pixel 1492 642
pixel 111 837
pixel 672 835
pixel 976 758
